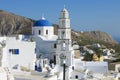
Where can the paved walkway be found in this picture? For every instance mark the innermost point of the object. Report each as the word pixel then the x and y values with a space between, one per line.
pixel 34 76
pixel 28 77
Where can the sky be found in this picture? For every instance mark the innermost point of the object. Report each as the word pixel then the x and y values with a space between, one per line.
pixel 85 15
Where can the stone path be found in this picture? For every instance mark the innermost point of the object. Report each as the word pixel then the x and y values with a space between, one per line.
pixel 34 76
pixel 28 77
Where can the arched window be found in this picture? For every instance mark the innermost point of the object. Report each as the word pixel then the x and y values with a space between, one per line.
pixel 39 32
pixel 46 31
pixel 63 45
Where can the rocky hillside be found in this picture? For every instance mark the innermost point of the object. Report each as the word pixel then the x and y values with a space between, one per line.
pixel 11 24
pixel 89 37
pixel 92 36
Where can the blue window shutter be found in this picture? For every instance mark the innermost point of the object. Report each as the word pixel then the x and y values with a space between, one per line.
pixel 17 51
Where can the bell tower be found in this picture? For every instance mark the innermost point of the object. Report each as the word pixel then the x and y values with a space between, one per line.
pixel 64 48
pixel 64 31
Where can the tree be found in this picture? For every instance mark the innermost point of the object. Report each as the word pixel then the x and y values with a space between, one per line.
pixel 88 57
pixel 98 52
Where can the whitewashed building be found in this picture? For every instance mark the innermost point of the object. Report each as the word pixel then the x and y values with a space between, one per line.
pixel 20 52
pixel 45 39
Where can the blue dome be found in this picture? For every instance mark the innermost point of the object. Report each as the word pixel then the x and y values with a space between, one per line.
pixel 42 22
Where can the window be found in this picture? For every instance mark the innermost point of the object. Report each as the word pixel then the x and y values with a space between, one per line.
pixel 39 32
pixel 46 31
pixel 54 59
pixel 72 67
pixel 63 45
pixel 63 34
pixel 14 51
pixel 76 77
pixel 55 46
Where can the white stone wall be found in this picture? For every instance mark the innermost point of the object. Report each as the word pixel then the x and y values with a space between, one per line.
pixel 43 30
pixel 26 56
pixel 81 68
pixel 98 67
pixel 45 47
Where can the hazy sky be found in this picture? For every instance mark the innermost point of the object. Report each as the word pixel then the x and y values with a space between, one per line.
pixel 85 15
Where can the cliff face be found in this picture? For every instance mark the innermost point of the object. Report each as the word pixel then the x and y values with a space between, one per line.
pixel 96 36
pixel 11 24
pixel 99 35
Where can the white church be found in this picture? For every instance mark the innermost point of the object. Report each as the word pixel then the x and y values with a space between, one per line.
pixel 45 51
pixel 54 46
